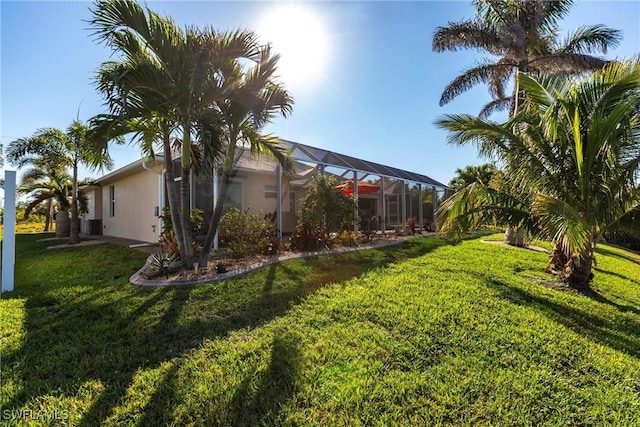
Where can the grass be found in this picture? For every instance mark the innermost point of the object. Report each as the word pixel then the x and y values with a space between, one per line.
pixel 421 333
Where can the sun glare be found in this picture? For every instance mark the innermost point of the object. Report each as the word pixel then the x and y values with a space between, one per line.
pixel 298 35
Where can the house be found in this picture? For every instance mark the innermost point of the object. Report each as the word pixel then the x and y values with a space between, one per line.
pixel 128 202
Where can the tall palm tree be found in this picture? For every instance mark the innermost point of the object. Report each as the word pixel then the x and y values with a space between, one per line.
pixel 54 149
pixel 572 151
pixel 522 34
pixel 169 73
pixel 254 99
pixel 42 160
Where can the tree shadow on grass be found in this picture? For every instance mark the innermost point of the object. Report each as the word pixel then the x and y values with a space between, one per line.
pixel 618 275
pixel 106 331
pixel 621 336
pixel 605 251
pixel 341 267
pixel 261 397
pixel 597 296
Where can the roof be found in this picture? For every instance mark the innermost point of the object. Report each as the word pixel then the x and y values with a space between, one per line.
pixel 126 171
pixel 301 153
pixel 307 153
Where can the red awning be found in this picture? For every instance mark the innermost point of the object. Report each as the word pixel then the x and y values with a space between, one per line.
pixel 363 187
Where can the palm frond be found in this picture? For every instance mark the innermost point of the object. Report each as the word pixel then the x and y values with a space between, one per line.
pixel 482 72
pixel 477 205
pixel 501 104
pixel 467 35
pixel 564 224
pixel 590 38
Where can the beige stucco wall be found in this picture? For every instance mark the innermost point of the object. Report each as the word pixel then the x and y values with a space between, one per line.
pixel 136 196
pixel 254 198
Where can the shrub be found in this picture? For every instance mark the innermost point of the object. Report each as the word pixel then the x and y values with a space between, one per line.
pixel 245 234
pixel 347 238
pixel 168 236
pixel 196 217
pixel 306 238
pixel 326 208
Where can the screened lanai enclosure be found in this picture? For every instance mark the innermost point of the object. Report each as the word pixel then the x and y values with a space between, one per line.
pixel 390 195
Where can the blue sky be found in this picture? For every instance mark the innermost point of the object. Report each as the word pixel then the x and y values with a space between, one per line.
pixel 375 97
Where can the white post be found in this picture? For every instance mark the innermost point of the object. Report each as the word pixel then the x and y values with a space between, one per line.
pixel 9 231
pixel 279 199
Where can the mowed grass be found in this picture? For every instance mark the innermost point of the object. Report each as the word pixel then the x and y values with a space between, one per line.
pixel 422 333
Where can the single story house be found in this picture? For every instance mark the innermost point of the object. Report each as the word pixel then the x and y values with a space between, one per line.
pixel 128 202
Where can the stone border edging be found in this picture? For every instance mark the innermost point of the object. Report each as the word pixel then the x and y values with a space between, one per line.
pixel 137 279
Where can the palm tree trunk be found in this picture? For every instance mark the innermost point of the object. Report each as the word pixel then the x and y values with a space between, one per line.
pixel 172 195
pixel 514 236
pixel 48 215
pixel 577 271
pixel 215 219
pixel 74 235
pixel 557 260
pixel 62 223
pixel 185 197
pixel 511 237
pixel 227 171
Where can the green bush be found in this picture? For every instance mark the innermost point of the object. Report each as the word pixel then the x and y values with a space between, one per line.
pixel 196 217
pixel 245 234
pixel 326 208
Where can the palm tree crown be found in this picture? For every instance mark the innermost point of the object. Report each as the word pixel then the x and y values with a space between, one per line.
pixel 523 36
pixel 169 78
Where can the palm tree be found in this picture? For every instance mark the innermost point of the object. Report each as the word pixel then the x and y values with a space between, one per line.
pixel 54 149
pixel 254 100
pixel 53 185
pixel 572 150
pixel 522 35
pixel 168 74
pixel 470 174
pixel 42 159
pixel 55 188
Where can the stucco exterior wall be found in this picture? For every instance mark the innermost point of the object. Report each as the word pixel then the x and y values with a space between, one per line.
pixel 94 204
pixel 255 197
pixel 136 197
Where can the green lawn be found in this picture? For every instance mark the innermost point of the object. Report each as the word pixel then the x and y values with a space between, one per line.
pixel 421 333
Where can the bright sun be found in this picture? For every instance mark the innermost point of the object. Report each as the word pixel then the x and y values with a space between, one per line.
pixel 298 35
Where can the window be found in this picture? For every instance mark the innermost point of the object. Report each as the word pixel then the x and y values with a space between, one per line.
pixel 270 191
pixel 112 200
pixel 234 196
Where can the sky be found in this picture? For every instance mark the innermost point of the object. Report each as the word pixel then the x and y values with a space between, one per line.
pixel 365 80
